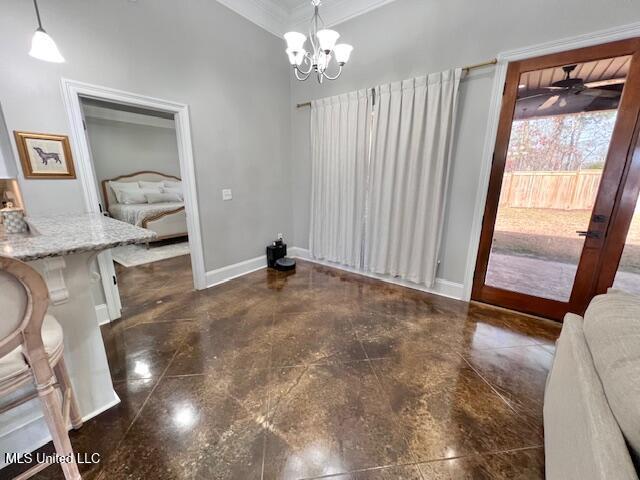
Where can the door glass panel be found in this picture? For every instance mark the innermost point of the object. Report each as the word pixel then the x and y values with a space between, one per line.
pixel 628 276
pixel 560 136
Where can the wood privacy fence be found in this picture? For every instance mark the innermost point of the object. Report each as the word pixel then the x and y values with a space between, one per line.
pixel 566 190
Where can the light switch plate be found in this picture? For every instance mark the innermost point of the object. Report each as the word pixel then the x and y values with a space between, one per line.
pixel 226 194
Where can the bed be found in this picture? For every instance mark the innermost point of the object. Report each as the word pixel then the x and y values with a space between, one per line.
pixel 167 219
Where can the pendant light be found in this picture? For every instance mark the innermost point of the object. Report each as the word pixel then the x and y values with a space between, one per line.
pixel 324 48
pixel 42 45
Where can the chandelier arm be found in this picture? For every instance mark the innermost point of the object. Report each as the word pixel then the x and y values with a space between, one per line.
pixel 329 77
pixel 315 48
pixel 303 77
pixel 322 24
pixel 304 72
pixel 309 60
pixel 313 30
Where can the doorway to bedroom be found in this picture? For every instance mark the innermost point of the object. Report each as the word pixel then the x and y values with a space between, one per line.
pixel 135 160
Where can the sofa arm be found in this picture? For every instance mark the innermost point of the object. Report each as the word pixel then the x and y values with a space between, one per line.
pixel 581 436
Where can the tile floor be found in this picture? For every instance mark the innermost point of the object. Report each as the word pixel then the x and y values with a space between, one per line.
pixel 315 374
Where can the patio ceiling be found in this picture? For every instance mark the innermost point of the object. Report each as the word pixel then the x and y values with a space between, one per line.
pixel 596 71
pixel 595 86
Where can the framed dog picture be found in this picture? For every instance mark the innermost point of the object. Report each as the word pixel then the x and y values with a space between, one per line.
pixel 45 156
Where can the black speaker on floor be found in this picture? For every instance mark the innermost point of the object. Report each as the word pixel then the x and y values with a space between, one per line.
pixel 276 251
pixel 277 257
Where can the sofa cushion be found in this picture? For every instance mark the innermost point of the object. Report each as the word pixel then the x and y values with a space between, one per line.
pixel 612 330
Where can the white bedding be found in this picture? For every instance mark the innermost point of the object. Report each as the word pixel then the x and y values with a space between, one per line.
pixel 135 214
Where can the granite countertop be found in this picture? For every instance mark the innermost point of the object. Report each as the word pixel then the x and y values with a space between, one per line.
pixel 67 234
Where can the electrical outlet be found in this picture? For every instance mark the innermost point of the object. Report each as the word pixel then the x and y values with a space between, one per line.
pixel 280 236
pixel 226 194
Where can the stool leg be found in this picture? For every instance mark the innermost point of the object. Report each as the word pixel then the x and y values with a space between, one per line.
pixel 63 379
pixel 52 408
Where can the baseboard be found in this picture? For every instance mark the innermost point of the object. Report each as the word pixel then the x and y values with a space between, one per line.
pixel 442 287
pixel 35 434
pixel 224 274
pixel 102 313
pixel 449 289
pixel 297 252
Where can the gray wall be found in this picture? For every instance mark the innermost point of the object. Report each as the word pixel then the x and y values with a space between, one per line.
pixel 8 168
pixel 242 95
pixel 120 148
pixel 194 51
pixel 409 38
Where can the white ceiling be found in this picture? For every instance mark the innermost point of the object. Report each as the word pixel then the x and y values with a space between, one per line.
pixel 291 4
pixel 280 16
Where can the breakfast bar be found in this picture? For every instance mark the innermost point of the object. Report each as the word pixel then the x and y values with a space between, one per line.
pixel 63 248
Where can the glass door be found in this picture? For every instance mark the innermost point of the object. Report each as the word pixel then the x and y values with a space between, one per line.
pixel 566 127
pixel 628 274
pixel 621 259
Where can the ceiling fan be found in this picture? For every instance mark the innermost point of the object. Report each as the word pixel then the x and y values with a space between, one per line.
pixel 557 94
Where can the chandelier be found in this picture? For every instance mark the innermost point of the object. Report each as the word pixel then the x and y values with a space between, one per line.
pixel 323 50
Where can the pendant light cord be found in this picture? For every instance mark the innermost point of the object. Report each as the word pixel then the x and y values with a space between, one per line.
pixel 35 4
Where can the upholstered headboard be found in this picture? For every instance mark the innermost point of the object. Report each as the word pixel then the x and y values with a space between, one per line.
pixel 145 176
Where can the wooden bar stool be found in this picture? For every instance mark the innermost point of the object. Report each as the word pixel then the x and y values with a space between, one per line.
pixel 31 347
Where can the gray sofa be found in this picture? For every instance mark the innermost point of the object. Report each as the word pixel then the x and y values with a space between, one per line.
pixel 592 397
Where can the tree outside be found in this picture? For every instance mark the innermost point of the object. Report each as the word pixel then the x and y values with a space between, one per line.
pixel 561 143
pixel 552 173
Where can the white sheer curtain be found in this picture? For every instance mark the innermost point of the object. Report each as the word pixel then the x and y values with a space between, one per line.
pixel 409 172
pixel 340 133
pixel 379 182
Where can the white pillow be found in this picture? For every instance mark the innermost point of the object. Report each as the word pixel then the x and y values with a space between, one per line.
pixel 117 187
pixel 130 197
pixel 162 197
pixel 124 185
pixel 151 190
pixel 175 191
pixel 138 192
pixel 119 191
pixel 151 185
pixel 173 184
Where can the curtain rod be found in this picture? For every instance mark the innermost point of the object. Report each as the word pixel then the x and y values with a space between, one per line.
pixel 466 69
pixel 493 61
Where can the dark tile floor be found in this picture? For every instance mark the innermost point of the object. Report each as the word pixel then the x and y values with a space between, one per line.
pixel 315 374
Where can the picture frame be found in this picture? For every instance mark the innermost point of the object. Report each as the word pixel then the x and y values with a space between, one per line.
pixel 45 156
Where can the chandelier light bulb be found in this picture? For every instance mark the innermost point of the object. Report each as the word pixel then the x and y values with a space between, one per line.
pixel 342 52
pixel 292 56
pixel 44 48
pixel 295 41
pixel 297 57
pixel 327 39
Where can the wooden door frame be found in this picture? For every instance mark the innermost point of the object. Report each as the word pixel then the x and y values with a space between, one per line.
pixel 626 202
pixel 585 282
pixel 620 32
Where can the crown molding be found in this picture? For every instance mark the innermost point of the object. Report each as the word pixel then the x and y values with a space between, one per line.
pixel 621 32
pixel 333 11
pixel 267 14
pixel 277 19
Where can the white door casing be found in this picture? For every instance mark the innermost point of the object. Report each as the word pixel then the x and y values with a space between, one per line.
pixel 72 92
